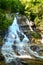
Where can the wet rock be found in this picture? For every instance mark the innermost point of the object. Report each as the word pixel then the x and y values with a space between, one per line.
pixel 32 23
pixel 1 57
pixel 40 28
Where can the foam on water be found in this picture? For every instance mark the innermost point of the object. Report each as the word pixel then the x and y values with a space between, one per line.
pixel 7 49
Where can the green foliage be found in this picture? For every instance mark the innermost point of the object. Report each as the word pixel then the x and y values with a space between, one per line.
pixel 36 35
pixel 12 5
pixel 4 21
pixel 6 7
pixel 34 11
pixel 0 39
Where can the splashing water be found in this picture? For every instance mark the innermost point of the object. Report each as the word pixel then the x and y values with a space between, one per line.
pixel 28 23
pixel 7 49
pixel 13 36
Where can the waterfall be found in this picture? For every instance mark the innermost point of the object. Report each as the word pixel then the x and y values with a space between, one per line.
pixel 13 37
pixel 7 49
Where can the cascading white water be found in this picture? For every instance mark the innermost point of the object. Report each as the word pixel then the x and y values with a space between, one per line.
pixel 7 49
pixel 13 36
pixel 28 23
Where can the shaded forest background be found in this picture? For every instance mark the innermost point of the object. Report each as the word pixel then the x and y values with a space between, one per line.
pixel 32 9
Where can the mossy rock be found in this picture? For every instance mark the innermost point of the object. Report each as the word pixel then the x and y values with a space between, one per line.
pixel 36 35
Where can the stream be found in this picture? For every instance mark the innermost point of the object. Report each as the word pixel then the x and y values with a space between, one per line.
pixel 17 44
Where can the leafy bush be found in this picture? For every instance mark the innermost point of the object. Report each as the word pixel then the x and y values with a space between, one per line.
pixel 12 5
pixel 36 35
pixel 4 21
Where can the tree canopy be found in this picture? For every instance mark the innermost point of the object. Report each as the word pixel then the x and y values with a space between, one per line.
pixel 33 9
